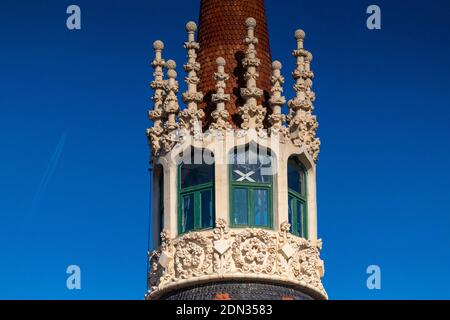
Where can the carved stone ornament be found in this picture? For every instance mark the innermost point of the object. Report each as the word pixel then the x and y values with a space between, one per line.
pixel 302 124
pixel 223 252
pixel 252 113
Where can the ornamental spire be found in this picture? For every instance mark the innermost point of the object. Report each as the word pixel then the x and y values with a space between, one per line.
pixel 171 106
pixel 155 133
pixel 277 100
pixel 220 115
pixel 252 113
pixel 191 116
pixel 302 123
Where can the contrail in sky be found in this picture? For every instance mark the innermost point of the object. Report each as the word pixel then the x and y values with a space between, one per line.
pixel 48 172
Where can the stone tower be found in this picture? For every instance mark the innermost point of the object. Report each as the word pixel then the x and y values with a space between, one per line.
pixel 234 199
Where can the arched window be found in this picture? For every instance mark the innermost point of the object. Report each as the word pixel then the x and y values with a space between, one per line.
pixel 297 197
pixel 251 187
pixel 196 194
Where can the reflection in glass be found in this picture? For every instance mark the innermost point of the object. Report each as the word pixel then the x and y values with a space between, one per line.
pixel 296 176
pixel 299 222
pixel 240 206
pixel 261 207
pixel 291 211
pixel 251 165
pixel 187 217
pixel 196 174
pixel 206 207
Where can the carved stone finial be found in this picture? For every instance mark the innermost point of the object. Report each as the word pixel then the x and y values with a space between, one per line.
pixel 158 45
pixel 276 65
pixel 302 123
pixel 300 34
pixel 277 100
pixel 157 114
pixel 171 65
pixel 252 113
pixel 191 26
pixel 250 23
pixel 190 118
pixel 171 106
pixel 220 62
pixel 220 115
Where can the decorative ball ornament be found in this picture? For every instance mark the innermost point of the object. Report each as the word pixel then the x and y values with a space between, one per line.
pixel 250 22
pixel 191 26
pixel 277 65
pixel 300 34
pixel 158 45
pixel 220 62
pixel 170 64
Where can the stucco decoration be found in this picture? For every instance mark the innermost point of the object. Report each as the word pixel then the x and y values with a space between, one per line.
pixel 223 253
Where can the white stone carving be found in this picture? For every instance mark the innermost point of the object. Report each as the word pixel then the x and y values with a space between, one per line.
pixel 190 118
pixel 251 112
pixel 277 100
pixel 224 252
pixel 171 106
pixel 220 115
pixel 302 123
pixel 155 133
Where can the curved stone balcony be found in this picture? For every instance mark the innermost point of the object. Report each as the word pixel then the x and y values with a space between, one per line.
pixel 222 254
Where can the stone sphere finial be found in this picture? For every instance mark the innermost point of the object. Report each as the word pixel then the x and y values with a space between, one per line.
pixel 299 34
pixel 220 62
pixel 191 26
pixel 277 65
pixel 172 74
pixel 170 64
pixel 158 45
pixel 250 22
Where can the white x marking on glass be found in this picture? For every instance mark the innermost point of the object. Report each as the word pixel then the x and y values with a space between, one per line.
pixel 245 176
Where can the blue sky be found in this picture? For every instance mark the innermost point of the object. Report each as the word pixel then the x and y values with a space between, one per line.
pixel 74 183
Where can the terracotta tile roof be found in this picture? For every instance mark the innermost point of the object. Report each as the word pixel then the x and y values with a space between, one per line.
pixel 221 32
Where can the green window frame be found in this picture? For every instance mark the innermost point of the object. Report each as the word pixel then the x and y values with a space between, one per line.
pixel 298 199
pixel 200 196
pixel 251 213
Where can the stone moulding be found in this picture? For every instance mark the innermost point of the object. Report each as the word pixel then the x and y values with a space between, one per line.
pixel 222 253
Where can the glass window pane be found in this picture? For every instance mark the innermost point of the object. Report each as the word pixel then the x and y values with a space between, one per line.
pixel 195 174
pixel 299 224
pixel 296 177
pixel 251 165
pixel 240 206
pixel 261 198
pixel 187 213
pixel 206 206
pixel 291 212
